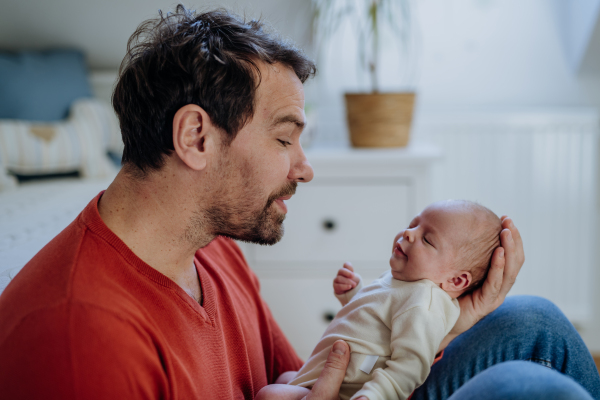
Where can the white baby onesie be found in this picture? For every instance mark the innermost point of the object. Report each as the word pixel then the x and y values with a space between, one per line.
pixel 398 325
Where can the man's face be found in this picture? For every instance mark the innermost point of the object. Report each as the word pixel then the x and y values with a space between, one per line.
pixel 427 249
pixel 261 167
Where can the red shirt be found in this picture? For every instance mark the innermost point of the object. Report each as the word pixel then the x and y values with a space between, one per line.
pixel 87 319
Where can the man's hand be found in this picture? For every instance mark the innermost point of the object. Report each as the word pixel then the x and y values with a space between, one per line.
pixel 327 387
pixel 506 264
pixel 286 377
pixel 345 280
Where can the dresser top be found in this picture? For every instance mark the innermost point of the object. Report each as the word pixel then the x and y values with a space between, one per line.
pixel 412 154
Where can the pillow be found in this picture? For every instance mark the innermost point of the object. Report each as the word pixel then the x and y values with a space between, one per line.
pixel 41 85
pixel 102 116
pixel 6 181
pixel 76 144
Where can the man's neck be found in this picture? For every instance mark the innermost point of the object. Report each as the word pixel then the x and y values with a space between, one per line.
pixel 151 218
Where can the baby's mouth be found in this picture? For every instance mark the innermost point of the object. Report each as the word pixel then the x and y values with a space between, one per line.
pixel 398 250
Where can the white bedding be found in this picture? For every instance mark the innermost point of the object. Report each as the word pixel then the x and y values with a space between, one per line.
pixel 35 212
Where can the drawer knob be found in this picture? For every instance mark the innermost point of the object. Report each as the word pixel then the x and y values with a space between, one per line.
pixel 329 225
pixel 328 316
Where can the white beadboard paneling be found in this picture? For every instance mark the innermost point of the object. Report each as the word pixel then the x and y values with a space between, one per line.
pixel 540 169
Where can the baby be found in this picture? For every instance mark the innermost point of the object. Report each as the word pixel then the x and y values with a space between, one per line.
pixel 394 326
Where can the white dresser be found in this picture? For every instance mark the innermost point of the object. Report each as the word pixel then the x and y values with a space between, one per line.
pixel 351 211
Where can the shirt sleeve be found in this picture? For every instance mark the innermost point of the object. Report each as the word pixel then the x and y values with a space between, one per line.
pixel 346 297
pixel 415 337
pixel 74 352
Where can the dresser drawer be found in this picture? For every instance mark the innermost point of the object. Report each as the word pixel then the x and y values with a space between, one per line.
pixel 333 220
pixel 303 307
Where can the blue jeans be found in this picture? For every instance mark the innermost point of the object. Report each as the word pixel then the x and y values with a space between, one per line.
pixel 526 349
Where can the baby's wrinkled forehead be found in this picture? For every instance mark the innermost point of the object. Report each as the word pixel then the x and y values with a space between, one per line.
pixel 448 213
pixel 460 221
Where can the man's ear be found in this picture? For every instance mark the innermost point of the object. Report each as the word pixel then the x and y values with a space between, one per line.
pixel 460 281
pixel 193 136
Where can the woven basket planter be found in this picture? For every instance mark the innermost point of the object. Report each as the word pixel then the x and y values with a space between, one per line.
pixel 379 119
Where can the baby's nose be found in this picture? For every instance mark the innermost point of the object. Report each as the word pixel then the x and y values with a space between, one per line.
pixel 408 235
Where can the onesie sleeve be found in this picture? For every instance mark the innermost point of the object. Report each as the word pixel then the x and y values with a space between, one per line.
pixel 346 297
pixel 415 336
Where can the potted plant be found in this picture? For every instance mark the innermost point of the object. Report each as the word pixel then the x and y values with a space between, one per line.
pixel 375 119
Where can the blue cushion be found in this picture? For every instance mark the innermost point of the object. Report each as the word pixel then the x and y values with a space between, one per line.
pixel 41 85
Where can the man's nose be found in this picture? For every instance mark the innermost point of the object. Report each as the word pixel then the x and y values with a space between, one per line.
pixel 301 170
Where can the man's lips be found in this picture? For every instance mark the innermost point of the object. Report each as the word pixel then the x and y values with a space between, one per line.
pixel 280 202
pixel 398 250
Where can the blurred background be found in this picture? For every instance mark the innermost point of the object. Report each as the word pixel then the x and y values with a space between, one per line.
pixel 506 113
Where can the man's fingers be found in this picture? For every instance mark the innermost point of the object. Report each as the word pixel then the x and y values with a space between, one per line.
pixel 507 242
pixel 327 387
pixel 508 223
pixel 493 283
pixel 513 261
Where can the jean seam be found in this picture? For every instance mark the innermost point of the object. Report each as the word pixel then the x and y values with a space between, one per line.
pixel 541 361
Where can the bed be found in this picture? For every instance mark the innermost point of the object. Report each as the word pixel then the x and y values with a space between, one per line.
pixel 34 213
pixel 56 143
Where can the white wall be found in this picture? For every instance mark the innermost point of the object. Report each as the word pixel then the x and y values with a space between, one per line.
pixel 578 21
pixel 471 53
pixel 490 54
pixel 101 28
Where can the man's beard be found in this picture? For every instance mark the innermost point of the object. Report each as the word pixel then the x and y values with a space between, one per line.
pixel 240 222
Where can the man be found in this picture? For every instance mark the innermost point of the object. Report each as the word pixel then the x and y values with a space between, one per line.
pixel 122 304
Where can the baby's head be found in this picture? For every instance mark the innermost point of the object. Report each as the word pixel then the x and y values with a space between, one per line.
pixel 450 243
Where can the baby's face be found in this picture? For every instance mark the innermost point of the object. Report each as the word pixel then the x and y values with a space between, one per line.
pixel 428 248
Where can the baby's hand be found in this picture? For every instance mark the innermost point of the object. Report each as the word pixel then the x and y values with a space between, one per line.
pixel 345 280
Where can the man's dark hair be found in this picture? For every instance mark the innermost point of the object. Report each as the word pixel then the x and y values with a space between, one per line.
pixel 210 60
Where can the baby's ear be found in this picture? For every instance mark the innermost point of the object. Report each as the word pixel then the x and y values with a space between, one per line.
pixel 460 281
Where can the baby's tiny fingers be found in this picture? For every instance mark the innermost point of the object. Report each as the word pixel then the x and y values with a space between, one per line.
pixel 341 289
pixel 344 281
pixel 345 272
pixel 348 266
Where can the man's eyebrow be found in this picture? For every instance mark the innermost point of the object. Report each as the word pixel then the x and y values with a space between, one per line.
pixel 287 119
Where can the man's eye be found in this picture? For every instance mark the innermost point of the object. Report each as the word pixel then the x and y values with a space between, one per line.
pixel 284 143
